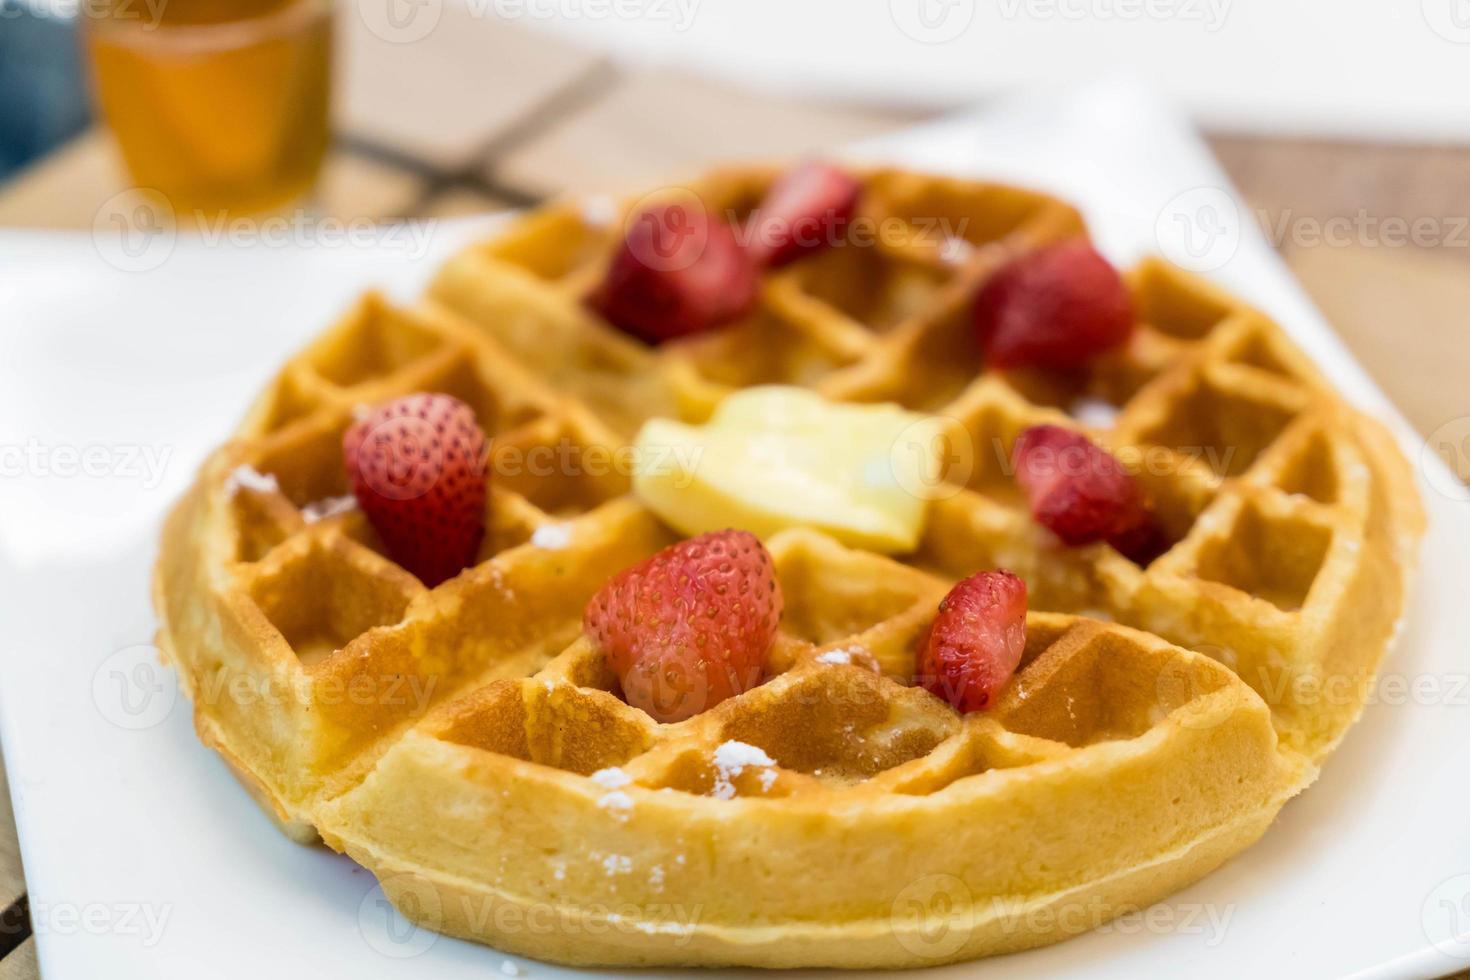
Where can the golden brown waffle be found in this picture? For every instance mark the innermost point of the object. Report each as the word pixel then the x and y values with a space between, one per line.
pixel 471 750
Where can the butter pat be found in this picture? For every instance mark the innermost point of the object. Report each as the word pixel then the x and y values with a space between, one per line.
pixel 777 457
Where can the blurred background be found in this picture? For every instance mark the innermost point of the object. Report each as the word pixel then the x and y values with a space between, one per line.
pixel 1342 121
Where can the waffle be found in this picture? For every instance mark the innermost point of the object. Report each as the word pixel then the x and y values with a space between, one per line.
pixel 469 746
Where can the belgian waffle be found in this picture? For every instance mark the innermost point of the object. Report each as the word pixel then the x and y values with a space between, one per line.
pixel 468 746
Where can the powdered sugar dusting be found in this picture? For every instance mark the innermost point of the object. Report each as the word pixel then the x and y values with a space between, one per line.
pixel 618 803
pixel 731 759
pixel 509 968
pixel 320 510
pixel 615 801
pixel 1094 412
pixel 552 537
pixel 611 778
pixel 247 477
pixel 617 864
pixel 856 656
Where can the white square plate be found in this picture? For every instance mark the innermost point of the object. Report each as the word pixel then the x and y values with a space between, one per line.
pixel 145 859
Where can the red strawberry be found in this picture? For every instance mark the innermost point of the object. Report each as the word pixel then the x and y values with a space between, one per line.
pixel 1077 489
pixel 976 641
pixel 690 626
pixel 1143 542
pixel 1057 307
pixel 417 466
pixel 679 271
pixel 806 210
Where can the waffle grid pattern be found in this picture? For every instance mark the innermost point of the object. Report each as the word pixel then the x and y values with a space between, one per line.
pixel 1289 516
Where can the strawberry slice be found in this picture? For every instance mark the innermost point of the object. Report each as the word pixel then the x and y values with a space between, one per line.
pixel 1081 493
pixel 1057 308
pixel 976 641
pixel 806 210
pixel 690 626
pixel 679 271
pixel 417 466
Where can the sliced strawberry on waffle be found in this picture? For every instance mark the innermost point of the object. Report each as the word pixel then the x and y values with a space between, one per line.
pixel 806 210
pixel 691 626
pixel 678 271
pixel 1057 307
pixel 1081 493
pixel 976 640
pixel 417 466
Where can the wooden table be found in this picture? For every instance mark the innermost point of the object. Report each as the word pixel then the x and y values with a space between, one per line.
pixel 489 116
